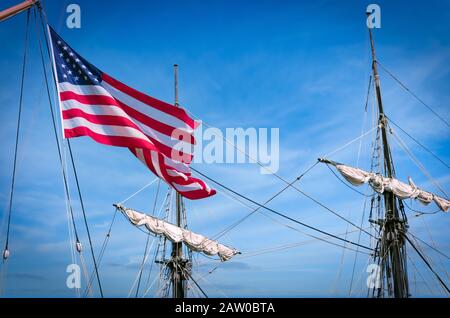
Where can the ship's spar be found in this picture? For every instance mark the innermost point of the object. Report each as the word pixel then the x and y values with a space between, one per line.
pixel 390 252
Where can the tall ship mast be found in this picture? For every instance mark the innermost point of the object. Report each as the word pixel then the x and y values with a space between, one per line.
pixel 179 263
pixel 394 224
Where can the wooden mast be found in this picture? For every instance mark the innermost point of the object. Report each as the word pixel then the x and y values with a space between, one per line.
pixel 178 263
pixel 12 11
pixel 392 245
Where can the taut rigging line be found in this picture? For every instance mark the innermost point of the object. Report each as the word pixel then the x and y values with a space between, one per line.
pixel 291 184
pixel 11 195
pixel 417 142
pixel 235 224
pixel 70 150
pixel 412 94
pixel 279 213
pixel 287 225
pixel 426 263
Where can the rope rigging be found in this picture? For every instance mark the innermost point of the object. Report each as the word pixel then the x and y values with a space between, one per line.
pixel 195 282
pixel 85 219
pixel 67 193
pixel 63 168
pixel 139 191
pixel 418 142
pixel 420 213
pixel 70 152
pixel 285 225
pixel 369 86
pixel 55 131
pixel 165 204
pixel 290 184
pixel 416 270
pixel 333 212
pixel 432 247
pixel 427 263
pixel 375 127
pixel 412 94
pixel 164 265
pixel 347 185
pixel 141 268
pixel 148 238
pixel 279 213
pixel 74 246
pixel 357 249
pixel 375 124
pixel 161 243
pixel 102 250
pixel 364 120
pixel 418 163
pixel 286 246
pixel 432 263
pixel 238 222
pixel 19 117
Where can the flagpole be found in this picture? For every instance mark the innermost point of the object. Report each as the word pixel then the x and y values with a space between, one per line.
pixel 178 264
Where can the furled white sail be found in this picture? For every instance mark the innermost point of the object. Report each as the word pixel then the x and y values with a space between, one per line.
pixel 380 184
pixel 196 242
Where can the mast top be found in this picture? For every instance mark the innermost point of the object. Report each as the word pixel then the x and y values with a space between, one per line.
pixel 175 75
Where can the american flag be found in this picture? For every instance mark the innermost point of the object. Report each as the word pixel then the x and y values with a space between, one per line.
pixel 94 104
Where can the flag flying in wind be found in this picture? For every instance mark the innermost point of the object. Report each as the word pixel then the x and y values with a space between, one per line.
pixel 94 104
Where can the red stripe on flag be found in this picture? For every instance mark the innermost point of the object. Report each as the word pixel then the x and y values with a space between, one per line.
pixel 108 120
pixel 176 180
pixel 110 101
pixel 177 112
pixel 108 140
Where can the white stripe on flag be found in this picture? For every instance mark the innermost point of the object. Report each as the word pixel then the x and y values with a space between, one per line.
pixel 83 89
pixel 155 162
pixel 177 145
pixel 189 187
pixel 147 109
pixel 140 155
pixel 107 130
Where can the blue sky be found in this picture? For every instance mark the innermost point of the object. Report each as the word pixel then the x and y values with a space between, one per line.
pixel 298 66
